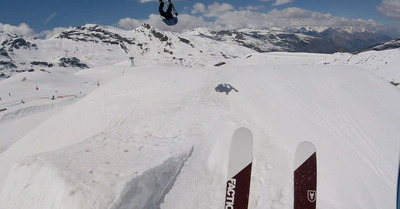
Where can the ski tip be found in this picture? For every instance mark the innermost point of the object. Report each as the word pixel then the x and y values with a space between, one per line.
pixel 243 134
pixel 304 151
pixel 242 129
pixel 241 151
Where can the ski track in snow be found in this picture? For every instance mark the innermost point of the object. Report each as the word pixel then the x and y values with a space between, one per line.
pixel 157 136
pixel 350 130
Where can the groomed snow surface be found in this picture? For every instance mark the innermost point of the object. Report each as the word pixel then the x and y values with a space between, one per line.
pixel 157 136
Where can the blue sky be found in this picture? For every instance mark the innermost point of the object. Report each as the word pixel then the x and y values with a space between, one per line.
pixel 42 15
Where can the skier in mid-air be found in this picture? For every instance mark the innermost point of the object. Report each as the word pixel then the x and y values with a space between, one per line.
pixel 168 17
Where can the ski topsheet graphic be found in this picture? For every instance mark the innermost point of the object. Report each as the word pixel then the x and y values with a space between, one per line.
pixel 239 170
pixel 305 176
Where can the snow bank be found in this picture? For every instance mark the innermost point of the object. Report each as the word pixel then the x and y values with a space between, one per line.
pixel 149 189
pixel 32 179
pixel 30 183
pixel 382 63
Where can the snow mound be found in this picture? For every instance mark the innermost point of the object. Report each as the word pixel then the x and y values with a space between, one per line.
pixel 382 63
pixel 83 186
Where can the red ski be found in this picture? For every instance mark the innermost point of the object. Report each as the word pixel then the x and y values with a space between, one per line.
pixel 239 170
pixel 305 176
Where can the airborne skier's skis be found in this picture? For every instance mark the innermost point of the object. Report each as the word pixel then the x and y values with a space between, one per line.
pixel 305 176
pixel 170 17
pixel 173 8
pixel 239 170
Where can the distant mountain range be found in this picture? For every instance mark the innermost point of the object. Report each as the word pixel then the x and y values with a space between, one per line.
pixel 93 46
pixel 303 39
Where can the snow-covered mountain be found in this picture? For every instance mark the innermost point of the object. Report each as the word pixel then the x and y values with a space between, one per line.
pixel 384 63
pixel 93 45
pixel 302 39
pixel 394 44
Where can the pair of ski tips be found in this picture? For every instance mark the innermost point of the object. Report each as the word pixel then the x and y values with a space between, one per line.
pixel 239 173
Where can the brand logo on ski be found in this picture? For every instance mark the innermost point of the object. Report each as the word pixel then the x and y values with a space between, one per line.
pixel 311 194
pixel 230 194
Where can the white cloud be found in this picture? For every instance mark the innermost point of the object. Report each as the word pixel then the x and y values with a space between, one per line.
pixel 51 33
pixel 23 29
pixel 226 17
pixel 186 22
pixel 290 17
pixel 216 9
pixel 252 8
pixel 212 10
pixel 299 17
pixel 199 8
pixel 129 23
pixel 390 8
pixel 242 19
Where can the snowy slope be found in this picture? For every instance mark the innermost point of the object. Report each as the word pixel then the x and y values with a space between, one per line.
pixel 394 44
pixel 384 64
pixel 156 136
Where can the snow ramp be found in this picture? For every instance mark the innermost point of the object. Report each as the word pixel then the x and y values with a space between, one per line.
pixel 119 145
